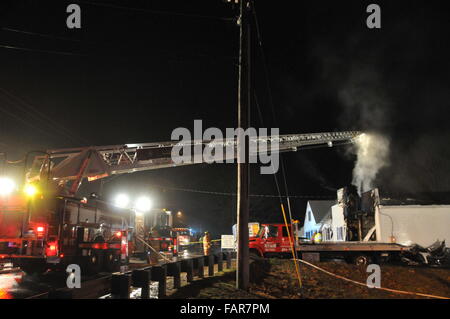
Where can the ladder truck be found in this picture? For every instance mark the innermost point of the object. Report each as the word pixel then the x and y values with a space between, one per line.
pixel 46 225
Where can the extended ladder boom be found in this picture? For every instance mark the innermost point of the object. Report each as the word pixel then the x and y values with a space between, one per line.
pixel 101 161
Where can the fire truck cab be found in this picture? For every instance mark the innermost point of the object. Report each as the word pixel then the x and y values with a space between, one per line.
pixel 44 232
pixel 272 240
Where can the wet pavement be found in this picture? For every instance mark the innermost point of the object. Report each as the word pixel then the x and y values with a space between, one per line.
pixel 17 285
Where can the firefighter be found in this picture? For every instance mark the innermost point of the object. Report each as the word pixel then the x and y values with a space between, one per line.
pixel 206 243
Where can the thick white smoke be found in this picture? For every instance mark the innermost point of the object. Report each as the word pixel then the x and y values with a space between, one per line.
pixel 372 151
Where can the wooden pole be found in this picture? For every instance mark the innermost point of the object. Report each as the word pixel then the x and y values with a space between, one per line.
pixel 244 100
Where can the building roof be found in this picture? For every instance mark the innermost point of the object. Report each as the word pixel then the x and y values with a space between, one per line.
pixel 320 208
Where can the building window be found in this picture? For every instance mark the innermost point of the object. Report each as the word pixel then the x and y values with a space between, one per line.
pixel 309 215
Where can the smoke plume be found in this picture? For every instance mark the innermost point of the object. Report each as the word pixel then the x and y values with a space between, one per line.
pixel 372 152
pixel 366 107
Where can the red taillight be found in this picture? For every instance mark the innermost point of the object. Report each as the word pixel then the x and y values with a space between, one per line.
pixel 119 234
pixel 52 249
pixel 40 229
pixel 100 246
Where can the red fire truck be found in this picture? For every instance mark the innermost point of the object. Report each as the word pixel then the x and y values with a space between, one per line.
pixel 40 233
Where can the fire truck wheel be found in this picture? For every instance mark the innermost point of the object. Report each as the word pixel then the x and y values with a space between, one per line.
pixel 111 261
pixel 362 260
pixel 253 254
pixel 94 262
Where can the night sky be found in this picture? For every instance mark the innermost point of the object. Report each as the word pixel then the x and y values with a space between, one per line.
pixel 136 70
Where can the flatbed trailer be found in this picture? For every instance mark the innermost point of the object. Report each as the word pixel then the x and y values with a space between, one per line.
pixel 355 252
pixel 350 246
pixel 273 241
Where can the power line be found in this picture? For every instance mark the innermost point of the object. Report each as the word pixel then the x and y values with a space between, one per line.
pixel 41 116
pixel 25 121
pixel 158 12
pixel 269 91
pixel 6 46
pixel 40 34
pixel 262 123
pixel 234 194
pixel 159 54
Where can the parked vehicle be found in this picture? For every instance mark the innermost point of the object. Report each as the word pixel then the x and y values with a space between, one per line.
pixel 183 238
pixel 40 233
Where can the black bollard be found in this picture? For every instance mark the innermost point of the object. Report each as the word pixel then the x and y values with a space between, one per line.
pixel 159 274
pixel 220 261
pixel 120 286
pixel 199 265
pixel 210 265
pixel 141 278
pixel 228 255
pixel 187 265
pixel 174 270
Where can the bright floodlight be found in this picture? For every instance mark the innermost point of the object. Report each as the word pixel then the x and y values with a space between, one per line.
pixel 122 200
pixel 30 190
pixel 7 186
pixel 143 204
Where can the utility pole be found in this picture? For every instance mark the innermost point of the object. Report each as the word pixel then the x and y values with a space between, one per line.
pixel 244 100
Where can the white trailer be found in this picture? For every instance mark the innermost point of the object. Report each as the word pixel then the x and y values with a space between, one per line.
pixel 412 224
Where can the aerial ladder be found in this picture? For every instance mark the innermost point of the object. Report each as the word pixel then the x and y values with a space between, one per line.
pixel 72 165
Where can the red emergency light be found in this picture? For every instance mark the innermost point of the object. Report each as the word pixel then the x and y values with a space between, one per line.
pixel 40 230
pixel 51 249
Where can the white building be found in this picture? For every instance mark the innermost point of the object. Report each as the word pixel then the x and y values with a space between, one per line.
pixel 317 213
pixel 333 225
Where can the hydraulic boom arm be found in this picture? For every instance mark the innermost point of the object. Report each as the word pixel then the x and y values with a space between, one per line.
pixel 101 161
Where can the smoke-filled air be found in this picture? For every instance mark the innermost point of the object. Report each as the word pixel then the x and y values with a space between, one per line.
pixel 372 152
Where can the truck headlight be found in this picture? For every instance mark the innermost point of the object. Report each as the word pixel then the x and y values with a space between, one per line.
pixel 7 186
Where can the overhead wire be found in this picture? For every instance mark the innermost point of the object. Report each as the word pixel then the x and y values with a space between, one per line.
pixel 6 46
pixel 235 194
pixel 161 12
pixel 43 35
pixel 157 12
pixel 27 123
pixel 271 102
pixel 32 111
